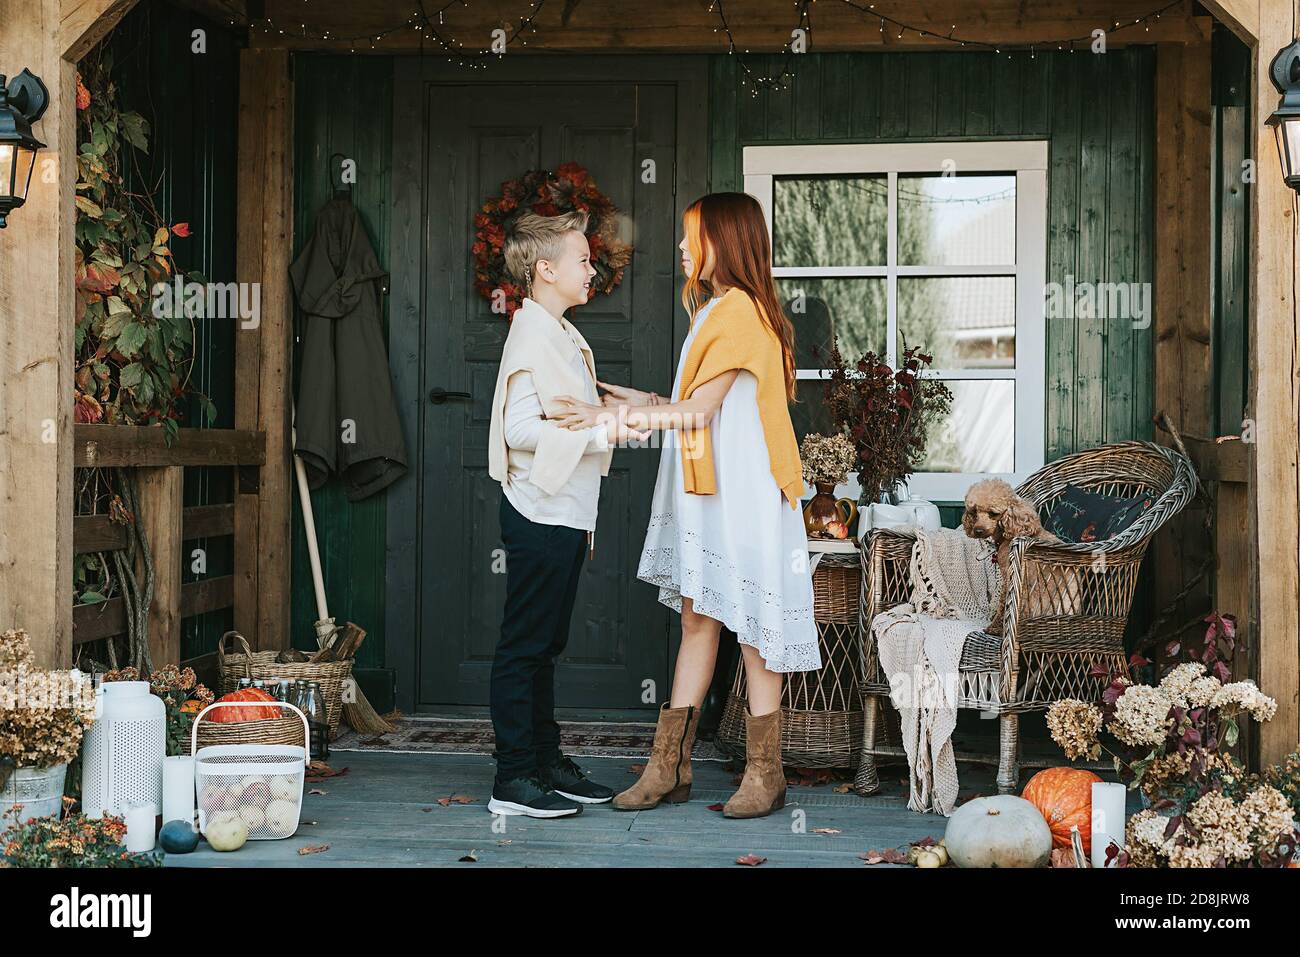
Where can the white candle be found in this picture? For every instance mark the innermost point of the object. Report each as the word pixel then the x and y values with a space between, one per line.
pixel 140 828
pixel 1107 819
pixel 178 788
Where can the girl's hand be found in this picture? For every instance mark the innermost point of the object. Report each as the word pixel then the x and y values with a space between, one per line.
pixel 576 415
pixel 625 395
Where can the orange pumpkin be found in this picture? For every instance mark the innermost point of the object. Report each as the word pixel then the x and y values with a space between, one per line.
pixel 1064 797
pixel 231 715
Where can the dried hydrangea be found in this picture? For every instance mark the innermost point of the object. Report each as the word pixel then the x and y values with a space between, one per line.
pixel 1268 813
pixel 1142 716
pixel 1075 726
pixel 42 713
pixel 1245 696
pixel 1177 683
pixel 1221 826
pixel 1145 841
pixel 827 458
pixel 1202 691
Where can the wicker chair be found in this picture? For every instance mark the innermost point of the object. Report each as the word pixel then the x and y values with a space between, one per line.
pixel 1056 632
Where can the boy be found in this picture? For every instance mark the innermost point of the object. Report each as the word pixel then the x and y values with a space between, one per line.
pixel 550 483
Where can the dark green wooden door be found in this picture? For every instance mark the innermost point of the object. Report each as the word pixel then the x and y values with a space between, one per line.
pixel 477 137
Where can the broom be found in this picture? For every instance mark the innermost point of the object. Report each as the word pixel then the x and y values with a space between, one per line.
pixel 359 714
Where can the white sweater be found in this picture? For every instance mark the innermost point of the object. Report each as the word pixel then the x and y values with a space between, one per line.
pixel 549 474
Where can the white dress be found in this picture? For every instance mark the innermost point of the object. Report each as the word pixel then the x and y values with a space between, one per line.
pixel 741 554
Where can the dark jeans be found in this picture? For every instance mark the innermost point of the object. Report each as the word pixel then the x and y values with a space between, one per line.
pixel 543 563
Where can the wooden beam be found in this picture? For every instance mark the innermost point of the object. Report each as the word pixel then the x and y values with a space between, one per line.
pixel 1220 461
pixel 101 446
pixel 262 354
pixel 36 353
pixel 96 533
pixel 692 26
pixel 207 521
pixel 1182 321
pixel 1239 16
pixel 107 618
pixel 1275 404
pixel 83 23
pixel 161 499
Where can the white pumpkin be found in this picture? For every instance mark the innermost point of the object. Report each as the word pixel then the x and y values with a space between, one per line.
pixel 1001 831
pixel 253 816
pixel 284 787
pixel 226 831
pixel 282 818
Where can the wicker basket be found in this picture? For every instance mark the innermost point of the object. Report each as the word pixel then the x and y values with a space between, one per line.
pixel 331 675
pixel 283 730
pixel 821 711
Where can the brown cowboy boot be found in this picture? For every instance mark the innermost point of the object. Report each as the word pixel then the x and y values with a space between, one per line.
pixel 762 789
pixel 667 775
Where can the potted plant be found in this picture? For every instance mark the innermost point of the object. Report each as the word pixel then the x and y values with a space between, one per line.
pixel 887 414
pixel 827 460
pixel 43 715
pixel 1200 810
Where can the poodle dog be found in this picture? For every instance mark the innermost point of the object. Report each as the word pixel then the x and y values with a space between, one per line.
pixel 995 512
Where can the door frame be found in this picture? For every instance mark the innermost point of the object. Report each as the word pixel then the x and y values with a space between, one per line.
pixel 690 75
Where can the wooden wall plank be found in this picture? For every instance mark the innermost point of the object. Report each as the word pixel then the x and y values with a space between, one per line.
pixel 161 496
pixel 262 355
pixel 1275 405
pixel 1182 321
pixel 36 353
pixel 107 618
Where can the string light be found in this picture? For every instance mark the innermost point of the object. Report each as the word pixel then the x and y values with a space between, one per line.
pixel 774 82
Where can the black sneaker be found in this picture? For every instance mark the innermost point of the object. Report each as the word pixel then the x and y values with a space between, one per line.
pixel 528 796
pixel 566 778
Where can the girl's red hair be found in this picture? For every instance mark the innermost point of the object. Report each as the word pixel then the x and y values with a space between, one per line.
pixel 732 226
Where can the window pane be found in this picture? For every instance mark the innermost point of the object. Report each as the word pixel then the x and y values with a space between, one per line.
pixel 956 220
pixel 966 322
pixel 830 222
pixel 852 309
pixel 809 414
pixel 979 435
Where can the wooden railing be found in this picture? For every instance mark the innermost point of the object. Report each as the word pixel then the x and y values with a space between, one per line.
pixel 165 522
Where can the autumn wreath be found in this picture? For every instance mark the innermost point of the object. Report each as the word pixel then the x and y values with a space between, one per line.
pixel 547 193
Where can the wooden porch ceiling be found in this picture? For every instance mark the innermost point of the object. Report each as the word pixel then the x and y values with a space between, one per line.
pixel 693 26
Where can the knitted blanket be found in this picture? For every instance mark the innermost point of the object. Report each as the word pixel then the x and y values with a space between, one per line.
pixel 953 582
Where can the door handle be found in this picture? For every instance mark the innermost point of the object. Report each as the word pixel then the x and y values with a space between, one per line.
pixel 440 395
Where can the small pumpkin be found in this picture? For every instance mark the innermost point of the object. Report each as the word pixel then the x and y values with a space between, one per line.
pixel 231 715
pixel 1000 831
pixel 178 837
pixel 1064 797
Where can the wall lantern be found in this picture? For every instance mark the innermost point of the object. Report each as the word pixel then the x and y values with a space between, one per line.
pixel 22 103
pixel 1285 71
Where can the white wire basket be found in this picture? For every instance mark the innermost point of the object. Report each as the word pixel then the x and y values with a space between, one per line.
pixel 260 784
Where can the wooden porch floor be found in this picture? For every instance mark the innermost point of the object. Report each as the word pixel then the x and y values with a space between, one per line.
pixel 384 813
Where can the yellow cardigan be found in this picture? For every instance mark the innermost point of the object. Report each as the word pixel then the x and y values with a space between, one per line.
pixel 734 336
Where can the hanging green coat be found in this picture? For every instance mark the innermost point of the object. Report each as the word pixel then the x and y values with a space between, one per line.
pixel 346 417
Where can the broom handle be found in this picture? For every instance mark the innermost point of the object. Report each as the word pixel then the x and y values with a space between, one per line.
pixel 309 523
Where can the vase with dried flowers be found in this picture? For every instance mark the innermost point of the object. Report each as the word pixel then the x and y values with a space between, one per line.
pixel 827 460
pixel 887 414
pixel 43 715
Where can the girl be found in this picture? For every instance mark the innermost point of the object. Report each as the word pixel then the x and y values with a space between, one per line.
pixel 726 543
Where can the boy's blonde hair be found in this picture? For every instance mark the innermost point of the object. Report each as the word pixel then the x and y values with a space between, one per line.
pixel 532 237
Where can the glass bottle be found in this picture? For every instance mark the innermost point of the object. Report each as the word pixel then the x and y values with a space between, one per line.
pixel 317 723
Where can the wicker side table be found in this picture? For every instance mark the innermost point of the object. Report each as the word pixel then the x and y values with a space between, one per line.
pixel 821 720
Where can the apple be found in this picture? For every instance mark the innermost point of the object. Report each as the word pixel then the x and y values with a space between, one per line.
pixel 837 529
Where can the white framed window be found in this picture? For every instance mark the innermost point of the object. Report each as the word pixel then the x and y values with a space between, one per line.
pixel 940 245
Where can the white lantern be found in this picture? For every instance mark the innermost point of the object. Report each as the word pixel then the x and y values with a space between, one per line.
pixel 122 757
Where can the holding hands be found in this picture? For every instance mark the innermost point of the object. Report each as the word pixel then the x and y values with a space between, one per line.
pixel 577 415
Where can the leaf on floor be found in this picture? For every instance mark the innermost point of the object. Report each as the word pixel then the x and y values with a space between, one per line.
pixel 890 855
pixel 826 830
pixel 317 791
pixel 456 799
pixel 809 777
pixel 319 771
pixel 312 849
pixel 1062 857
pixel 716 807
pixel 845 788
pixel 503 843
pixel 751 860
pixel 470 858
